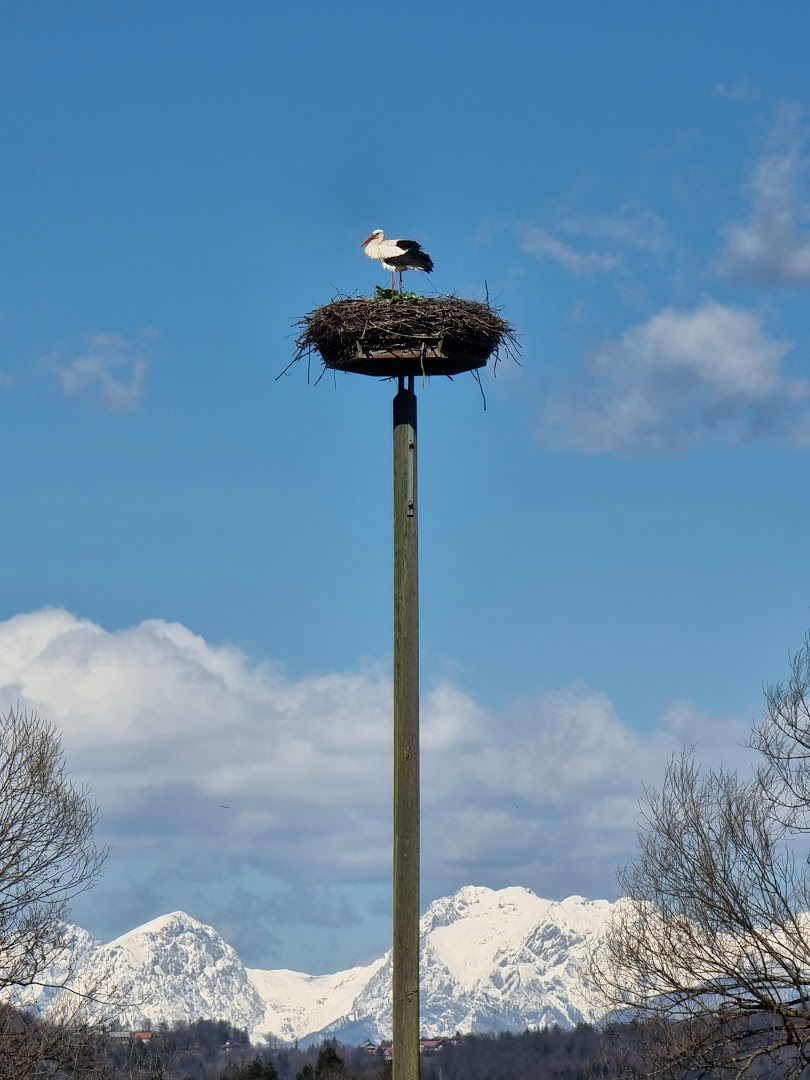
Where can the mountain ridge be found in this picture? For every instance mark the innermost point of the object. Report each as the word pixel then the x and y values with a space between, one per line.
pixel 491 960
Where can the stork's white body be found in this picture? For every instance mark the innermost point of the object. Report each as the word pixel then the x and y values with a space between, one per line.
pixel 382 249
pixel 397 255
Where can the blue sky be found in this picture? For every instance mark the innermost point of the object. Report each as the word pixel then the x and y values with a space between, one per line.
pixel 613 554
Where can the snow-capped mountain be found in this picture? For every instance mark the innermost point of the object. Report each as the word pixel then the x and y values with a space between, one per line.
pixel 299 1004
pixel 77 951
pixel 173 968
pixel 492 960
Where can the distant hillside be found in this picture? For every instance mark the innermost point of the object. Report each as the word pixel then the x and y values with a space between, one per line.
pixel 492 960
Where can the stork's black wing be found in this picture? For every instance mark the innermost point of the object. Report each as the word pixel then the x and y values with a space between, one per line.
pixel 412 257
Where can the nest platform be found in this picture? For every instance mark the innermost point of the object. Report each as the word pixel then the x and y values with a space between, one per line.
pixel 403 334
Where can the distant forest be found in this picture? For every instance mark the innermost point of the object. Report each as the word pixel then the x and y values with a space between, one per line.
pixel 210 1050
pixel 215 1050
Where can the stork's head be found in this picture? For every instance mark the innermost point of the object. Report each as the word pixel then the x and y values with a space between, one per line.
pixel 378 234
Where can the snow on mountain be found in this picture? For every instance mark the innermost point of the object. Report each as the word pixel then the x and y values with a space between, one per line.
pixel 174 968
pixel 297 1004
pixel 78 949
pixel 491 960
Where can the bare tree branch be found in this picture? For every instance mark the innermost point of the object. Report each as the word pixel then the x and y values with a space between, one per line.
pixel 705 968
pixel 47 858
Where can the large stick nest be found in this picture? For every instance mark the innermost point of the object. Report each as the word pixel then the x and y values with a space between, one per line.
pixel 397 334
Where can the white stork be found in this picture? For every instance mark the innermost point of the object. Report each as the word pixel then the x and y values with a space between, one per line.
pixel 397 255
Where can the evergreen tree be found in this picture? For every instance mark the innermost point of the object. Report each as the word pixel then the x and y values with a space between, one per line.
pixel 256 1070
pixel 329 1065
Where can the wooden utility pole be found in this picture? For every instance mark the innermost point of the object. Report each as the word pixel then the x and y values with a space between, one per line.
pixel 390 337
pixel 406 740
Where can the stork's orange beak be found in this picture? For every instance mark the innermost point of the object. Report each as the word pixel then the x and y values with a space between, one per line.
pixel 367 240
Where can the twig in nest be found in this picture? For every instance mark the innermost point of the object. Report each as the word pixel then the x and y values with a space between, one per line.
pixel 477 376
pixel 466 328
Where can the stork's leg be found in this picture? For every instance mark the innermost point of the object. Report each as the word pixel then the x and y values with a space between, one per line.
pixel 400 281
pixel 393 281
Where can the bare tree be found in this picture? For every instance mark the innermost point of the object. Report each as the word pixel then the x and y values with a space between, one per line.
pixel 47 852
pixel 47 858
pixel 707 961
pixel 782 737
pixel 31 1046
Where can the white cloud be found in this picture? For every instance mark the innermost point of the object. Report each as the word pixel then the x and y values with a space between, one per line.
pixel 110 370
pixel 630 226
pixel 539 242
pixel 742 89
pixel 773 247
pixel 205 764
pixel 680 379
